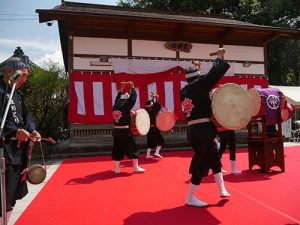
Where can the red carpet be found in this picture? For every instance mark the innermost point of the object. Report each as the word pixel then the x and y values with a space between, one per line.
pixel 86 191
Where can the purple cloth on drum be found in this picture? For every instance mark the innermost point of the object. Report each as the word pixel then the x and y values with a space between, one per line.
pixel 271 98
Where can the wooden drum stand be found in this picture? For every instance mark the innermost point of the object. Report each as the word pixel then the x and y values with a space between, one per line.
pixel 265 149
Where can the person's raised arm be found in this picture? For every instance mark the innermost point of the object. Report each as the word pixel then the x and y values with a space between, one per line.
pixel 118 96
pixel 132 99
pixel 217 71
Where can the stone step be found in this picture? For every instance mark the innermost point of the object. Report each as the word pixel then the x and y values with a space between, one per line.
pixel 108 153
pixel 102 145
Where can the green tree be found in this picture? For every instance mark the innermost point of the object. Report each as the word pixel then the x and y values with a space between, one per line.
pixel 283 54
pixel 284 62
pixel 233 8
pixel 46 95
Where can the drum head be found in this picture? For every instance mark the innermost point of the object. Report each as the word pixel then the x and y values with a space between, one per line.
pixel 256 99
pixel 36 174
pixel 165 121
pixel 232 106
pixel 142 121
pixel 284 115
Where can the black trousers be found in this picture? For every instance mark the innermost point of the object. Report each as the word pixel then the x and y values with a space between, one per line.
pixel 228 137
pixel 15 188
pixel 205 157
pixel 154 138
pixel 124 144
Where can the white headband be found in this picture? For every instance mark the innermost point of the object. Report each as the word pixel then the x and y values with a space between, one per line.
pixel 151 103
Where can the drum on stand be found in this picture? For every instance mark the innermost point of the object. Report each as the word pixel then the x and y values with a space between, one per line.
pixel 231 107
pixel 256 101
pixel 140 122
pixel 165 120
pixel 269 102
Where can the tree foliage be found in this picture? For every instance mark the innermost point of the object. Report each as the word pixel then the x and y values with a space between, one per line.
pixel 283 60
pixel 230 7
pixel 46 95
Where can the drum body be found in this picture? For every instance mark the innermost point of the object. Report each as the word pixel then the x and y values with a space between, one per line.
pixel 268 102
pixel 231 107
pixel 165 120
pixel 140 122
pixel 287 110
pixel 36 174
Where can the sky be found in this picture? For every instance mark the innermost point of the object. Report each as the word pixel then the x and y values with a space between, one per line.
pixel 19 26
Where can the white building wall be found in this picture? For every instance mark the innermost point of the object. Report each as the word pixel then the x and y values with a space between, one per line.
pixel 81 63
pixel 200 51
pixel 151 49
pixel 244 53
pixel 100 46
pixel 255 69
pixel 144 48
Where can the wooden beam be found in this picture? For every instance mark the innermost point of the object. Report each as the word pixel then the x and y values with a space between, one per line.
pixel 270 38
pixel 179 30
pixel 70 53
pixel 225 33
pixel 266 58
pixel 129 47
pixel 129 28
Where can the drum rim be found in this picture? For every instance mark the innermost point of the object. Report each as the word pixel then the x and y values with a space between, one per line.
pixel 141 132
pixel 160 115
pixel 242 125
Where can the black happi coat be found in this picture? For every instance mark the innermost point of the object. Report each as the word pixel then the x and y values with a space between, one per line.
pixel 15 156
pixel 154 137
pixel 124 143
pixel 195 98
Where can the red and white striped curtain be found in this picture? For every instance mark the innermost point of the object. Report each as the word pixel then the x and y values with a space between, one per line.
pixel 92 94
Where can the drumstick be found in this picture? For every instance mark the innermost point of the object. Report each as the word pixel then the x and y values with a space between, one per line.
pixel 196 63
pixel 216 52
pixel 127 82
pixel 133 112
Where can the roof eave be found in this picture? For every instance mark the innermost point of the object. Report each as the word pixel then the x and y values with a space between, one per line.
pixel 49 15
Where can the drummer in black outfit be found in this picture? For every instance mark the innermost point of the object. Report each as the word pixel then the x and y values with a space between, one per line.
pixel 124 143
pixel 154 137
pixel 19 129
pixel 201 131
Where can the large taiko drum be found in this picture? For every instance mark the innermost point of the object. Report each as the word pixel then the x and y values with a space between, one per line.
pixel 165 120
pixel 231 107
pixel 140 122
pixel 269 102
